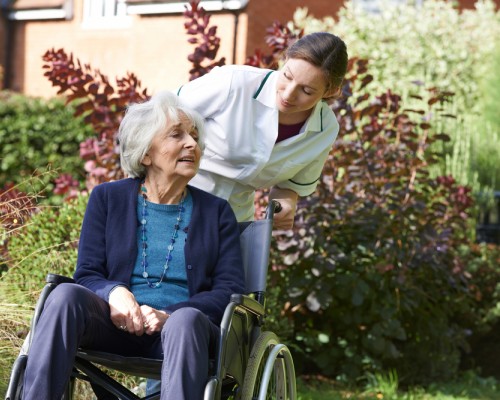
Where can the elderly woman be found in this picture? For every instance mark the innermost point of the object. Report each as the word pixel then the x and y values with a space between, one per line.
pixel 157 263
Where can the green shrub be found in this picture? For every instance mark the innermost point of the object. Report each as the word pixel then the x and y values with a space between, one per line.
pixel 371 274
pixel 36 135
pixel 483 265
pixel 486 145
pixel 46 243
pixel 481 354
pixel 491 89
pixel 433 43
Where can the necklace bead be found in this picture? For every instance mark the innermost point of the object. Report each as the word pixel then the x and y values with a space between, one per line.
pixel 144 244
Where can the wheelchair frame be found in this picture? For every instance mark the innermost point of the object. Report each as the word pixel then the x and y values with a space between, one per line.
pixel 250 363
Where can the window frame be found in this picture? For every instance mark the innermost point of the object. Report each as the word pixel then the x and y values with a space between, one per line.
pixel 143 7
pixel 49 11
pixel 119 19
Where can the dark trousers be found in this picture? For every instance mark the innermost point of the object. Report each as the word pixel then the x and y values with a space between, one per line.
pixel 74 317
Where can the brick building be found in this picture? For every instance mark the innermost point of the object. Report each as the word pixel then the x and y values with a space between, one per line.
pixel 146 37
pixel 116 36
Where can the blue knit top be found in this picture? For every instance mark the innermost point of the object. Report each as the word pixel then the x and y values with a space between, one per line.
pixel 161 219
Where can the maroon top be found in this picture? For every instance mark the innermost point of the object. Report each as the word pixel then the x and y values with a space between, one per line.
pixel 287 131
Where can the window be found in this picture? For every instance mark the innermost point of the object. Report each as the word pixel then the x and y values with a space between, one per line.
pixel 105 14
pixel 176 6
pixel 95 9
pixel 373 6
pixel 25 10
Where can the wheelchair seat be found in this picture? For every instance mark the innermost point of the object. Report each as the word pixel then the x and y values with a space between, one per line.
pixel 137 366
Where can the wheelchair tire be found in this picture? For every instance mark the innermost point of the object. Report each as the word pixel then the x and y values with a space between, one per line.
pixel 16 385
pixel 270 374
pixel 69 391
pixel 15 388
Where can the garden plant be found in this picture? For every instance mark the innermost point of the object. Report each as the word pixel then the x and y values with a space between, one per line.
pixel 38 136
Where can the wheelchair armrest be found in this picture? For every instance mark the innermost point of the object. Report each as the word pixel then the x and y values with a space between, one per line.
pixel 248 304
pixel 57 279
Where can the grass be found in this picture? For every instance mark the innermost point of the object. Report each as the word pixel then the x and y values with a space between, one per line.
pixel 469 386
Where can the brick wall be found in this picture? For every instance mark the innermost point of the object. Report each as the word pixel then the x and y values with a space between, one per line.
pixel 262 14
pixel 155 48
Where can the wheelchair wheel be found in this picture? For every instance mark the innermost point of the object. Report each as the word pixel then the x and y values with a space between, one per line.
pixel 69 391
pixel 270 374
pixel 16 384
pixel 15 388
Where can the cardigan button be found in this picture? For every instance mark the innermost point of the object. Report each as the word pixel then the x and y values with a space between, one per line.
pixel 189 266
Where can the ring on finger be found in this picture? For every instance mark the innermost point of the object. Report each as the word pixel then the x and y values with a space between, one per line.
pixel 123 327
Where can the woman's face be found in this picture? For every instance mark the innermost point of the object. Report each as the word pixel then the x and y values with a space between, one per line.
pixel 301 86
pixel 175 153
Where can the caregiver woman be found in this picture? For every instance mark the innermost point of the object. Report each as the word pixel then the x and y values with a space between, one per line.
pixel 269 129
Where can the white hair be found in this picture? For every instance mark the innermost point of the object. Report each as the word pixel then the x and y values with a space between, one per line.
pixel 143 121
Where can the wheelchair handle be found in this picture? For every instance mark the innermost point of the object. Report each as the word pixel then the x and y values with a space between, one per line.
pixel 273 207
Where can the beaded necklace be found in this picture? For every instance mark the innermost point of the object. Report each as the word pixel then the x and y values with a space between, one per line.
pixel 144 239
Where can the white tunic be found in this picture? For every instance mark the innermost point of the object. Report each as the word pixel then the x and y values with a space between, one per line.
pixel 238 104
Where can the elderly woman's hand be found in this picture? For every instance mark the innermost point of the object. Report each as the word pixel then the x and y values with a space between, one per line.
pixel 125 311
pixel 153 319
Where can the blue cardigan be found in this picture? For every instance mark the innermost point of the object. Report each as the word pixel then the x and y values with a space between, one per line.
pixel 108 247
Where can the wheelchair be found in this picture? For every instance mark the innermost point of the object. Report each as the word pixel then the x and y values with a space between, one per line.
pixel 250 362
